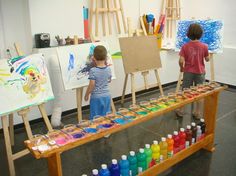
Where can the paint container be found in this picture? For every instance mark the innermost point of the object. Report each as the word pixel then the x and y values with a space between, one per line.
pixel 147 105
pixel 127 114
pixel 138 110
pixel 118 119
pixel 59 137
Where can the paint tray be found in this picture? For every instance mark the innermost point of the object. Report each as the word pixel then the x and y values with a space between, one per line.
pixel 103 123
pixel 149 106
pixel 60 137
pixel 74 131
pixel 127 114
pixel 88 127
pixel 139 110
pixel 118 119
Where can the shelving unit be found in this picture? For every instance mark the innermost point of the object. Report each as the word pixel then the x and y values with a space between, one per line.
pixel 210 111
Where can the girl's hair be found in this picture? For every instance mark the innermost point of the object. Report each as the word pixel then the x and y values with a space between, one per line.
pixel 100 53
pixel 194 31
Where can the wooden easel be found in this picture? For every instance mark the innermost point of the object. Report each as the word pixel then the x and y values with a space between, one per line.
pixel 212 70
pixel 107 7
pixel 131 33
pixel 9 133
pixel 172 10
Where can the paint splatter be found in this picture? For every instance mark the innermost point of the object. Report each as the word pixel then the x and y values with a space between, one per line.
pixel 212 34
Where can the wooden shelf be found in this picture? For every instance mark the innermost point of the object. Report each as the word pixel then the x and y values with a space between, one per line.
pixel 158 168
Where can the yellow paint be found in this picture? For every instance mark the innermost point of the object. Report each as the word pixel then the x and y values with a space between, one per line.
pixel 5 74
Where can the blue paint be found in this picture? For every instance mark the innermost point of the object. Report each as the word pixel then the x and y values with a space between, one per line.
pixel 22 65
pixel 71 62
pixel 90 130
pixel 78 135
pixel 212 33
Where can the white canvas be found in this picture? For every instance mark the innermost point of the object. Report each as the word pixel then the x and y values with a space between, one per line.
pixel 24 82
pixel 75 63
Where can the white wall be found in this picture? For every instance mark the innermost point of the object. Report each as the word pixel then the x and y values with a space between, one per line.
pixel 21 19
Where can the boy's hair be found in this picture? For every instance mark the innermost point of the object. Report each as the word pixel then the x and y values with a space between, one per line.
pixel 100 53
pixel 194 31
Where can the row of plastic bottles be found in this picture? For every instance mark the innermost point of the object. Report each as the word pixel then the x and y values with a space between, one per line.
pixel 155 153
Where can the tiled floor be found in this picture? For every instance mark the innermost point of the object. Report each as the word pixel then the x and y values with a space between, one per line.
pixel 87 157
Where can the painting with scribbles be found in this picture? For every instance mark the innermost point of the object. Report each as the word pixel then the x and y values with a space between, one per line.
pixel 24 82
pixel 76 61
pixel 212 34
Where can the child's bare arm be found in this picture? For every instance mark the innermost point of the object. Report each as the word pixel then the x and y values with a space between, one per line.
pixel 210 56
pixel 181 63
pixel 89 89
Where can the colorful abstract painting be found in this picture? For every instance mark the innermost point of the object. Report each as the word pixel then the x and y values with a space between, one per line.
pixel 76 61
pixel 212 34
pixel 24 82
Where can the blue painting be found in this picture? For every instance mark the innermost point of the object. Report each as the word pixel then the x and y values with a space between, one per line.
pixel 212 34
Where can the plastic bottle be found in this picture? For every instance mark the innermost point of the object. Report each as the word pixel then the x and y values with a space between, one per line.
pixel 148 153
pixel 133 163
pixel 182 136
pixel 203 127
pixel 104 171
pixel 124 166
pixel 194 132
pixel 142 160
pixel 199 133
pixel 170 148
pixel 114 168
pixel 155 151
pixel 95 172
pixel 188 136
pixel 176 142
pixel 163 148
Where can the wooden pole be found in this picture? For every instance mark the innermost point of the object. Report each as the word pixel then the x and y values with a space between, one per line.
pixel 23 113
pixel 54 165
pixel 117 17
pixel 96 19
pixel 159 82
pixel 123 16
pixel 124 88
pixel 79 96
pixel 11 128
pixel 133 89
pixel 108 16
pixel 45 117
pixel 179 83
pixel 212 67
pixel 103 17
pixel 91 18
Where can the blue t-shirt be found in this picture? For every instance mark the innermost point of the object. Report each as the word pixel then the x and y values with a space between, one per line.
pixel 102 76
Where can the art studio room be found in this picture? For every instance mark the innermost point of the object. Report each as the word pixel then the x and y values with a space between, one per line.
pixel 117 88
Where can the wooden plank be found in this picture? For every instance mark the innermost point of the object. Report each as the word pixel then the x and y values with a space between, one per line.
pixel 54 165
pixel 179 83
pixel 23 113
pixel 124 89
pixel 178 157
pixel 20 154
pixel 133 89
pixel 210 112
pixel 103 18
pixel 159 81
pixel 123 16
pixel 8 146
pixel 117 17
pixel 45 117
pixel 79 94
pixel 108 16
pixel 11 128
pixel 91 18
pixel 151 115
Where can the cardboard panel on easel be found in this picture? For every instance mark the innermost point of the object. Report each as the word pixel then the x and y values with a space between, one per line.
pixel 140 53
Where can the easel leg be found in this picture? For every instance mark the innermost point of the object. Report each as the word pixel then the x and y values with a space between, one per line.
pixel 210 112
pixel 212 69
pixel 113 108
pixel 124 88
pixel 96 19
pixel 11 128
pixel 133 89
pixel 145 73
pixel 179 82
pixel 8 146
pixel 103 18
pixel 45 117
pixel 123 16
pixel 23 114
pixel 54 165
pixel 108 16
pixel 158 81
pixel 117 17
pixel 91 20
pixel 79 93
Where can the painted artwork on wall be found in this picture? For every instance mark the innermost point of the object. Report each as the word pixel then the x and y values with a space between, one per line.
pixel 24 82
pixel 76 62
pixel 212 34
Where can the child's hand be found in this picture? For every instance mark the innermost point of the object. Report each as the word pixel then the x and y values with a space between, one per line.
pixel 86 97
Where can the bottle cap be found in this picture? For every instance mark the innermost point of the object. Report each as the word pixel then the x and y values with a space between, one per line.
pixel 198 127
pixel 202 120
pixel 141 150
pixel 175 132
pixel 124 157
pixel 182 129
pixel 147 146
pixel 95 172
pixel 132 153
pixel 188 127
pixel 114 161
pixel 169 136
pixel 161 157
pixel 193 124
pixel 84 175
pixel 155 142
pixel 163 139
pixel 104 166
